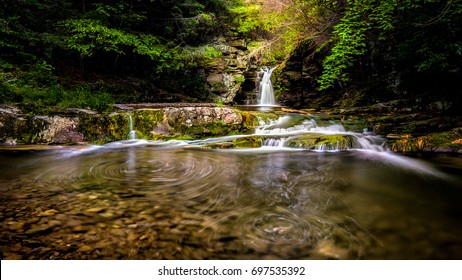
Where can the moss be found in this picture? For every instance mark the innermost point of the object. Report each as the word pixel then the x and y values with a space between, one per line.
pixel 144 121
pixel 251 119
pixel 101 129
pixel 242 142
pixel 208 130
pixel 327 142
pixel 247 142
pixel 449 141
pixel 117 127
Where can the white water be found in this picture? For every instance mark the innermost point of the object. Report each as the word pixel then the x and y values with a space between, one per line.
pixel 277 133
pixel 266 88
pixel 284 128
pixel 132 132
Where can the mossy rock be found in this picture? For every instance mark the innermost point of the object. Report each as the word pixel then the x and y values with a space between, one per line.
pixel 248 142
pixel 324 142
pixel 449 141
pixel 144 122
pixel 237 143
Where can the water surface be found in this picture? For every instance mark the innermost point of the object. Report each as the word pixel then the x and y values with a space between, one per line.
pixel 173 200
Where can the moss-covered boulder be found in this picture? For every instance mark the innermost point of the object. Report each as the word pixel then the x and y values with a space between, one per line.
pixel 75 126
pixel 449 141
pixel 322 142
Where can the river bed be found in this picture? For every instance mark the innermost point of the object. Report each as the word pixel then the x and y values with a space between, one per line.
pixel 170 200
pixel 299 187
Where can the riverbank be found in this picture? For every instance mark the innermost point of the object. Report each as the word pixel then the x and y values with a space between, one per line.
pixel 405 130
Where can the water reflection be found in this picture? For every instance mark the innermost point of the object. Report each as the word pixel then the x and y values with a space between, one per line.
pixel 157 201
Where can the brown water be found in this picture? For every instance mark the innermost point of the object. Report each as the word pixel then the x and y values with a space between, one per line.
pixel 154 200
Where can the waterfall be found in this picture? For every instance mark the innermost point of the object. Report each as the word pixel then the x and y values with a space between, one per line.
pixel 132 132
pixel 266 87
pixel 307 133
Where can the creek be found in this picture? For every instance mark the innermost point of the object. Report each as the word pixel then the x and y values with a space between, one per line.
pixel 286 197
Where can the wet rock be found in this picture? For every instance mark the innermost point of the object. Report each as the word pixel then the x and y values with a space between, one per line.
pixel 85 248
pixel 94 210
pixel 118 232
pixel 31 243
pixel 49 212
pixel 132 237
pixel 193 120
pixel 328 249
pixel 73 223
pixel 39 229
pixel 53 223
pixel 79 229
pixel 322 142
pixel 11 256
pixel 17 226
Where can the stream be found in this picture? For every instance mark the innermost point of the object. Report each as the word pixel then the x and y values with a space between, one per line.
pixel 139 199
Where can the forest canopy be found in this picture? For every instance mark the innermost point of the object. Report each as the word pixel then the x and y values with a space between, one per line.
pixel 82 53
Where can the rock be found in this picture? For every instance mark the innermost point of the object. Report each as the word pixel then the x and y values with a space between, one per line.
pixel 39 229
pixel 17 226
pixel 94 210
pixel 118 232
pixel 328 249
pixel 152 122
pixel 322 142
pixel 49 212
pixel 79 229
pixel 85 248
pixel 238 43
pixel 132 237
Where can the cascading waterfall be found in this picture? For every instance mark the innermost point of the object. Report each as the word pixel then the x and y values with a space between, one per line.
pixel 266 87
pixel 288 132
pixel 132 132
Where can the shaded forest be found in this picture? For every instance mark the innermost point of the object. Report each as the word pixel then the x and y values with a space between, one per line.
pixel 91 54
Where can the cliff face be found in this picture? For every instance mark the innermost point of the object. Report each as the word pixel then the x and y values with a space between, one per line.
pixel 225 74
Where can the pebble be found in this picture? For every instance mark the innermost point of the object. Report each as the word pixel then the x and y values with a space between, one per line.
pixel 94 210
pixel 17 226
pixel 73 223
pixel 85 248
pixel 79 229
pixel 53 223
pixel 132 237
pixel 38 229
pixel 328 249
pixel 117 232
pixel 49 212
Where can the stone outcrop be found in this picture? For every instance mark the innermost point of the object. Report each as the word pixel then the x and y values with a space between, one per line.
pixel 226 73
pixel 75 126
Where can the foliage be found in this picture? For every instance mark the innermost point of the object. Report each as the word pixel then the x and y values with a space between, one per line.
pixel 421 35
pixel 350 36
pixel 54 46
pixel 280 26
pixel 77 97
pixel 89 36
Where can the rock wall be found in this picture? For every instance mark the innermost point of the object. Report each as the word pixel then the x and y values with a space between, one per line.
pixel 225 74
pixel 76 126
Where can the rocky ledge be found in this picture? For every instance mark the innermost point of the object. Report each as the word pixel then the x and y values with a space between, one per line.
pixel 404 132
pixel 150 121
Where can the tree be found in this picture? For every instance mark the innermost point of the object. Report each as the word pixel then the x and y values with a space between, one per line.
pixel 419 35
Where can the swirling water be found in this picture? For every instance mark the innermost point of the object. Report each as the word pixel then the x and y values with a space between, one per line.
pixel 176 200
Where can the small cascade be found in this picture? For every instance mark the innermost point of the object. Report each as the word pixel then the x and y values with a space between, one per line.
pixel 266 87
pixel 132 132
pixel 273 142
pixel 300 132
pixel 307 133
